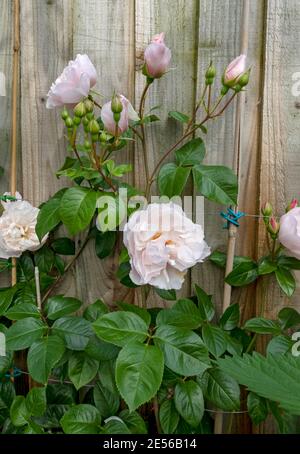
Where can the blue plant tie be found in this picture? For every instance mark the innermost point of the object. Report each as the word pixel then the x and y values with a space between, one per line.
pixel 231 217
pixel 15 373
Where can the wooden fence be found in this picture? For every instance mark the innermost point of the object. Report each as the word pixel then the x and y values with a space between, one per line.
pixel 114 33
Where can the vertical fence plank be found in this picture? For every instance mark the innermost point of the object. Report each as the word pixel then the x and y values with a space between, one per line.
pixel 221 44
pixel 6 55
pixel 46 32
pixel 105 31
pixel 280 153
pixel 176 90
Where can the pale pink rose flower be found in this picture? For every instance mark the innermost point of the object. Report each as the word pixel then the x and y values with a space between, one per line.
pixel 17 228
pixel 234 70
pixel 128 113
pixel 289 233
pixel 73 84
pixel 163 243
pixel 157 57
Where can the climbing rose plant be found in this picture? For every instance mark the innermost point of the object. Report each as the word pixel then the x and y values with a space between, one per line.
pixel 122 368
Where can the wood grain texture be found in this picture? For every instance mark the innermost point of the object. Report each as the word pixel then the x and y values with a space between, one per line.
pixel 176 90
pixel 280 152
pixel 104 29
pixel 46 47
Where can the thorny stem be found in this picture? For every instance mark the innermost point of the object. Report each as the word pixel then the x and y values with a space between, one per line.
pixel 143 138
pixel 69 265
pixel 192 120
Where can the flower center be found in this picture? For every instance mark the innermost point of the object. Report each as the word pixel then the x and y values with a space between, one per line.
pixel 155 236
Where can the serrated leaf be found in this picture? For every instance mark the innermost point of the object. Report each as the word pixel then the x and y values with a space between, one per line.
pixel 221 389
pixel 43 355
pixel 179 116
pixel 76 331
pixel 36 401
pixel 105 243
pixel 285 280
pixel 216 183
pixel 214 339
pixel 107 402
pixel 95 310
pixel 136 310
pixel 77 208
pixel 82 369
pixel 184 313
pixel 191 153
pixel 81 419
pixel 119 328
pixel 57 306
pixel 49 215
pixel 189 402
pixel 19 413
pixel 262 325
pixel 169 295
pixel 23 333
pixel 22 310
pixel 172 179
pixel 205 304
pixel 257 408
pixel 183 350
pixel 230 317
pixel 139 371
pixel 288 317
pixel 168 416
pixel 133 421
pixel 242 274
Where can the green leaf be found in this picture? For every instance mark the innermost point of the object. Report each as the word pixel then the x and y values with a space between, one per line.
pixel 205 304
pixel 19 413
pixel 105 243
pixel 285 280
pixel 95 310
pixel 81 419
pixel 101 350
pixel 77 208
pixel 107 402
pixel 172 179
pixel 179 116
pixel 57 306
pixel 257 408
pixel 288 262
pixel 76 331
pixel 242 274
pixel 189 402
pixel 133 421
pixel 136 310
pixel 23 333
pixel 221 389
pixel 107 371
pixel 22 310
pixel 266 266
pixel 44 259
pixel 63 246
pixel 123 275
pixel 168 416
pixel 219 259
pixel 262 325
pixel 191 153
pixel 217 183
pixel 7 395
pixel 139 371
pixel 120 328
pixel 49 215
pixel 184 313
pixel 6 361
pixel 6 298
pixel 169 295
pixel 43 355
pixel 279 344
pixel 115 426
pixel 36 401
pixel 214 339
pixel 82 369
pixel 288 317
pixel 275 377
pixel 183 350
pixel 231 317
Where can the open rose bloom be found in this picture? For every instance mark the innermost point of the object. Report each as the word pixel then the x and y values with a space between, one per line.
pixel 73 84
pixel 163 243
pixel 289 233
pixel 17 228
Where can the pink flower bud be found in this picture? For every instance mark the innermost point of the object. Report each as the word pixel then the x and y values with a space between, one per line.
pixel 293 204
pixel 128 113
pixel 267 209
pixel 157 57
pixel 234 70
pixel 273 227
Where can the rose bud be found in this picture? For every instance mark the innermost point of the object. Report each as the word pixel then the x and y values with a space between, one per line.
pixel 127 113
pixel 289 234
pixel 267 209
pixel 73 84
pixel 157 57
pixel 234 70
pixel 273 227
pixel 293 204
